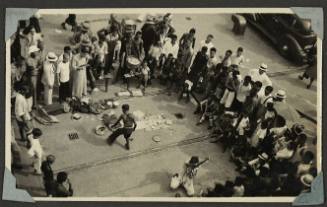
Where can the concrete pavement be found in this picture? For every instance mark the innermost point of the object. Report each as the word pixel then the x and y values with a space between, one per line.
pixel 94 164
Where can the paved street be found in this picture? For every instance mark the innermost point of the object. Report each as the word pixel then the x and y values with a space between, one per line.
pixel 95 169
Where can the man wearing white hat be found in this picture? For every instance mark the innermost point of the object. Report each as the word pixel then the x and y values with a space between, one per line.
pixel 284 109
pixel 33 65
pixel 48 78
pixel 260 74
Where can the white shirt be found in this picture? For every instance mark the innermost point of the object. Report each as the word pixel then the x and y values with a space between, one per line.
pixel 61 57
pixel 101 50
pixel 212 62
pixel 208 45
pixel 36 148
pixel 263 78
pixel 49 70
pixel 145 70
pixel 237 60
pixel 263 99
pixel 21 108
pixel 242 92
pixel 63 69
pixel 168 47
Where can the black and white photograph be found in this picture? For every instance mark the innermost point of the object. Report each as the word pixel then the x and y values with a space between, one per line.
pixel 164 104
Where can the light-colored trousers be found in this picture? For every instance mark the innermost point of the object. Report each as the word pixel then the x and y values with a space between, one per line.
pixel 185 181
pixel 48 95
pixel 227 98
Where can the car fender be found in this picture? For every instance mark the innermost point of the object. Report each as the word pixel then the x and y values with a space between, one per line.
pixel 297 52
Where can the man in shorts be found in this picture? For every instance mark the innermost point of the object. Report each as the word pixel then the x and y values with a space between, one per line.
pixel 127 129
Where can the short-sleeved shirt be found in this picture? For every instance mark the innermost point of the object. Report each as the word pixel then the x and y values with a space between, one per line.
pixel 237 60
pixel 242 92
pixel 63 69
pixel 21 107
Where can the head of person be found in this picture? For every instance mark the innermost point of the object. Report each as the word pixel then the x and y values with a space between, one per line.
pixel 301 139
pixel 94 39
pixel 62 177
pixel 235 74
pixel 204 50
pixel 37 133
pixel 51 57
pixel 144 63
pixel 209 38
pixel 51 159
pixel 170 56
pixel 213 52
pixel 280 95
pixel 33 51
pixel 307 157
pixel 228 53
pixel 32 30
pixel 239 51
pixel 247 80
pixel 67 49
pixel 239 181
pixel 125 108
pixel 257 86
pixel 84 51
pixel 173 39
pixel 192 32
pixel 262 68
pixel 194 160
pixel 268 90
pixel 138 35
pixel 65 58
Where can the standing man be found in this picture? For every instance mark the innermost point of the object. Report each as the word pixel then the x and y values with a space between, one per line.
pixel 48 77
pixel 188 37
pixel 22 113
pixel 199 65
pixel 208 43
pixel 260 75
pixel 237 59
pixel 184 57
pixel 127 129
pixel 36 150
pixel 63 74
pixel 33 68
pixel 48 179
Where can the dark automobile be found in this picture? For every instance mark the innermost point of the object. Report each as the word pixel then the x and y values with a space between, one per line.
pixel 292 35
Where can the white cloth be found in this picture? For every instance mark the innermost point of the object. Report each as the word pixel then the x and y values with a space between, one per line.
pixel 227 98
pixel 79 76
pixel 259 134
pixel 263 78
pixel 155 52
pixel 63 69
pixel 36 151
pixel 208 45
pixel 145 70
pixel 242 92
pixel 284 154
pixel 244 123
pixel 48 91
pixel 49 71
pixel 169 48
pixel 33 39
pixel 184 179
pixel 237 60
pixel 101 50
pixel 21 108
pixel 212 62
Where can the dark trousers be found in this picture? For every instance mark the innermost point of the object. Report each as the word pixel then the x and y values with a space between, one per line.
pixel 90 77
pixel 49 186
pixel 64 91
pixel 22 130
pixel 127 132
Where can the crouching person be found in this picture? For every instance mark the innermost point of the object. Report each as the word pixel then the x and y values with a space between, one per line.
pixel 185 179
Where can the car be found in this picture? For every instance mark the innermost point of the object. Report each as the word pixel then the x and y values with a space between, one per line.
pixel 292 35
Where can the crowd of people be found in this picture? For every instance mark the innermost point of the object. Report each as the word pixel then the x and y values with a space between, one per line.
pixel 247 114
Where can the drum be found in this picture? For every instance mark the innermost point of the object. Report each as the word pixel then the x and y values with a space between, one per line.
pixel 132 62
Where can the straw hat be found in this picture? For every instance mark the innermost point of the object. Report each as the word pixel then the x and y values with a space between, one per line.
pixel 51 57
pixel 85 26
pixel 32 49
pixel 263 67
pixel 280 94
pixel 307 179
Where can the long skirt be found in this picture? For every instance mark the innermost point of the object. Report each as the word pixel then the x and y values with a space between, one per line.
pixel 79 84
